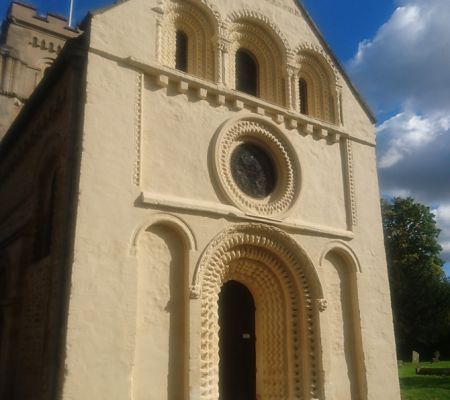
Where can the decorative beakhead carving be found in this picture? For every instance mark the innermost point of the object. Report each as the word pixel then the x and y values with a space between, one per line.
pixel 322 304
pixel 285 286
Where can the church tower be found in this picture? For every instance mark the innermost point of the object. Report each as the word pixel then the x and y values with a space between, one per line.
pixel 223 237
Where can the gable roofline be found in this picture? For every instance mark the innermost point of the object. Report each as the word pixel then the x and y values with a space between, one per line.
pixel 338 64
pixel 101 10
pixel 315 29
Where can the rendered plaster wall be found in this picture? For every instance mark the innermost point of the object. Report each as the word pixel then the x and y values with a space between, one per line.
pixel 161 315
pixel 375 308
pixel 194 124
pixel 344 331
pixel 102 310
pixel 123 309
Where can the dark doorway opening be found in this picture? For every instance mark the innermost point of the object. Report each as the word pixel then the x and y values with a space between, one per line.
pixel 237 366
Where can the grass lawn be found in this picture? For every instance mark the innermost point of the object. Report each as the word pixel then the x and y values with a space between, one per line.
pixel 423 387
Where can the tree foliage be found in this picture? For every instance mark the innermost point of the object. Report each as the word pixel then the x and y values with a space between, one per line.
pixel 420 291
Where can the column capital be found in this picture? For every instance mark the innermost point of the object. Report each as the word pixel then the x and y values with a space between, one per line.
pixel 292 70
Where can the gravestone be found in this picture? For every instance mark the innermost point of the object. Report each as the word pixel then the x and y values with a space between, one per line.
pixel 437 356
pixel 415 357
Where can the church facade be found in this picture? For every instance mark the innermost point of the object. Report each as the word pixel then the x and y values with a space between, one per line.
pixel 191 211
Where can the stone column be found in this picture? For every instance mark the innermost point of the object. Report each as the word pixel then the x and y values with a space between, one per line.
pixel 223 61
pixel 338 107
pixel 291 89
pixel 159 11
pixel 217 42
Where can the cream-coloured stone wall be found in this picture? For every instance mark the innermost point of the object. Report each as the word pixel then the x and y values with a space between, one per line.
pixel 195 124
pixel 158 231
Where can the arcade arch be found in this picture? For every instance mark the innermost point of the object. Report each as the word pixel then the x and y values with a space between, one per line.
pixel 198 28
pixel 249 34
pixel 346 365
pixel 162 246
pixel 285 289
pixel 317 91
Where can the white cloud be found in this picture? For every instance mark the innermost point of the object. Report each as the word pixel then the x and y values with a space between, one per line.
pixel 443 221
pixel 443 214
pixel 407 62
pixel 404 70
pixel 411 164
pixel 406 134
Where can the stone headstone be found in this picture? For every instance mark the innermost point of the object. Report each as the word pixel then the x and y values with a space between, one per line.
pixel 437 356
pixel 415 357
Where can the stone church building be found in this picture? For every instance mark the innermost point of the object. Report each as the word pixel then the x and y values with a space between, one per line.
pixel 189 210
pixel 29 43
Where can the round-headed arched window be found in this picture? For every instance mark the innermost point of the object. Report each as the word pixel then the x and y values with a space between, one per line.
pixel 246 72
pixel 181 56
pixel 303 88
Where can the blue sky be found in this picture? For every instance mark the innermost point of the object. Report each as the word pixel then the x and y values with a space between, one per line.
pixel 398 54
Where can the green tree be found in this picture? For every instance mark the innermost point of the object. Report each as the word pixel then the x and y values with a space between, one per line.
pixel 420 291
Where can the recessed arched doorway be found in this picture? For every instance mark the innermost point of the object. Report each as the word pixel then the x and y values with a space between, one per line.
pixel 286 292
pixel 237 376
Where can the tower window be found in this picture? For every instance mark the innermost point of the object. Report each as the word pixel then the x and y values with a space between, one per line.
pixel 303 88
pixel 246 72
pixel 181 56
